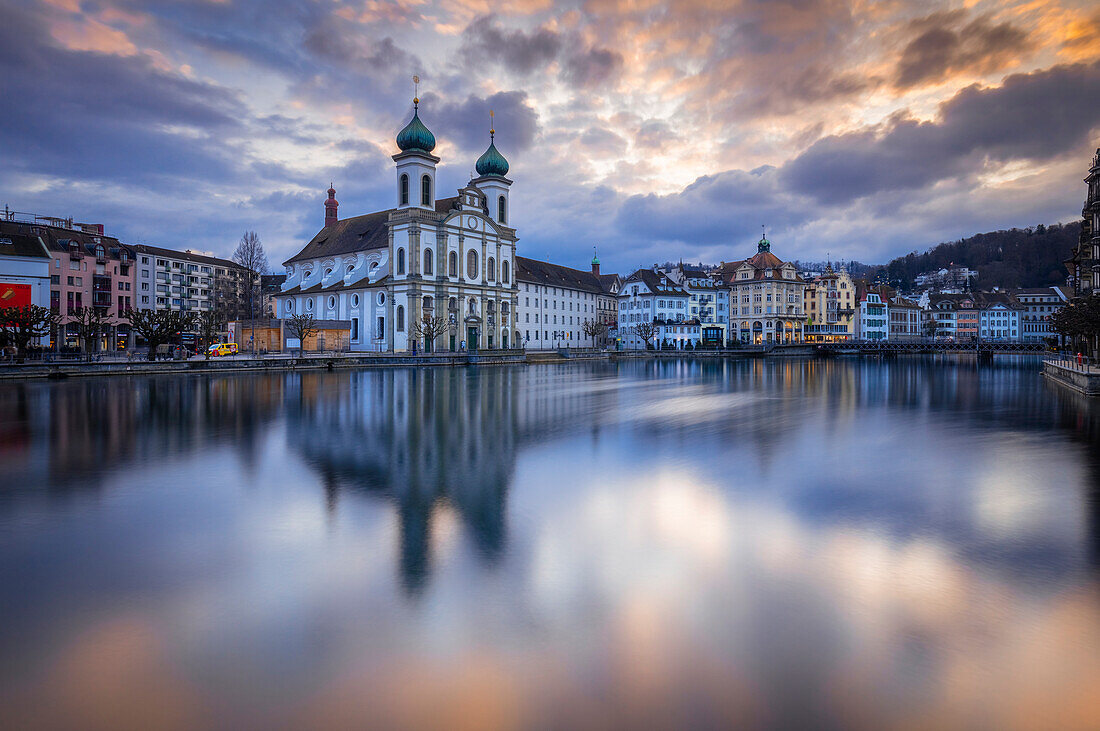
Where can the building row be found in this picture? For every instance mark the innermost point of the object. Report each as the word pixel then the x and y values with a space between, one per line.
pixel 67 266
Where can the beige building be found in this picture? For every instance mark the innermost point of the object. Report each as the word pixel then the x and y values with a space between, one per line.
pixel 766 298
pixel 829 304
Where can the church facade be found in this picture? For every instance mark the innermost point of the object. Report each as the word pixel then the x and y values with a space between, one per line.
pixel 430 274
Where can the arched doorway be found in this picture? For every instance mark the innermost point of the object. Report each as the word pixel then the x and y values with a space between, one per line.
pixel 757 333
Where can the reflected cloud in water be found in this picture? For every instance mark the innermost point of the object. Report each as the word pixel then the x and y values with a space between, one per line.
pixel 658 544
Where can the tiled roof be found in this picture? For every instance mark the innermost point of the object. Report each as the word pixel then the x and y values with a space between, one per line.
pixel 358 233
pixel 14 242
pixel 185 255
pixel 555 275
pixel 652 280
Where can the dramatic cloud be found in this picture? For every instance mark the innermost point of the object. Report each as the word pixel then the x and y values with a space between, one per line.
pixel 654 130
pixel 945 43
pixel 1030 117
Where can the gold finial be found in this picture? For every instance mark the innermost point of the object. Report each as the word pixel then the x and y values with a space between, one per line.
pixel 416 90
pixel 492 131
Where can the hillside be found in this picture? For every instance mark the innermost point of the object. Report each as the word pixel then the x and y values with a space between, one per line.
pixel 1029 257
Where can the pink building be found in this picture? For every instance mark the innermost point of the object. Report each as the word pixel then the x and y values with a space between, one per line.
pixel 88 269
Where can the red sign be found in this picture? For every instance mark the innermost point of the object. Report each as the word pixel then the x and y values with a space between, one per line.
pixel 14 295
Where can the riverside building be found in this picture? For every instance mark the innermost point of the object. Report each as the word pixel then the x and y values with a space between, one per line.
pixel 766 297
pixel 829 304
pixel 556 302
pixel 445 261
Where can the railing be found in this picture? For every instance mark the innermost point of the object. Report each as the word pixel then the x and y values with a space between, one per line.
pixel 1073 361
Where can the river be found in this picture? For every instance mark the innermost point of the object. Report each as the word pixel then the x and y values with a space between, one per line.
pixel 647 544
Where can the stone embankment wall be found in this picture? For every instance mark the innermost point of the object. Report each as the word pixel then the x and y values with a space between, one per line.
pixel 1087 383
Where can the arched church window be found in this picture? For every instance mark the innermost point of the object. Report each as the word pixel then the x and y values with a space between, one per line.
pixel 502 209
pixel 400 261
pixel 404 189
pixel 491 269
pixel 400 318
pixel 427 261
pixel 471 264
pixel 504 276
pixel 426 190
pixel 452 264
pixel 428 303
pixel 452 304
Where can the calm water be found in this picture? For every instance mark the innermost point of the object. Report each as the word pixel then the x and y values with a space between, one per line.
pixel 682 545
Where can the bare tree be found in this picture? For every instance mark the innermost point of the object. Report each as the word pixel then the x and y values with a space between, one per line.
pixel 646 331
pixel 158 327
pixel 593 329
pixel 210 325
pixel 251 258
pixel 20 325
pixel 428 328
pixel 302 326
pixel 89 322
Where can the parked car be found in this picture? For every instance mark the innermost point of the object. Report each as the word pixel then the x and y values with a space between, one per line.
pixel 222 349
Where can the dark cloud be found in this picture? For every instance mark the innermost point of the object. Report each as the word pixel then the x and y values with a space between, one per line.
pixel 591 67
pixel 521 52
pixel 716 208
pixel 603 140
pixel 1034 116
pixel 944 44
pixel 485 40
pixel 654 134
pixel 466 123
pixel 108 117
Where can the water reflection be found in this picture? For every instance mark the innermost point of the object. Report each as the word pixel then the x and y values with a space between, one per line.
pixel 688 543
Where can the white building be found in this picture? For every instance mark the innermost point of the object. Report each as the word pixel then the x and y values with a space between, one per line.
pixel 1039 305
pixel 999 316
pixel 186 280
pixel 446 259
pixel 555 302
pixel 709 302
pixel 649 297
pixel 872 317
pixel 24 268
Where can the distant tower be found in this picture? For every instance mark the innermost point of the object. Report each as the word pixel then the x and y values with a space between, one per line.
pixel 595 262
pixel 330 207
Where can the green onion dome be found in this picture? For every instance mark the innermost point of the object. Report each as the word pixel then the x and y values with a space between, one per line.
pixel 416 136
pixel 492 162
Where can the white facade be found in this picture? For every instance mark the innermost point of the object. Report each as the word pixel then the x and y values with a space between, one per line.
pixel 872 318
pixel 447 258
pixel 1039 305
pixel 709 303
pixel 999 321
pixel 650 297
pixel 553 305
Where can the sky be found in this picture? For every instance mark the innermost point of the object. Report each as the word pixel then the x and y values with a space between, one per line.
pixel 652 129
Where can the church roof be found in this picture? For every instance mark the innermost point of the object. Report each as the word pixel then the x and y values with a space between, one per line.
pixel 358 233
pixel 415 136
pixel 492 162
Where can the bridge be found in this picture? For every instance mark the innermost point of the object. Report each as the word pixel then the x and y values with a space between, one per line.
pixel 884 347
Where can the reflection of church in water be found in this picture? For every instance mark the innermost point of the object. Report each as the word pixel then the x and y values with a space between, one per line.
pixel 426 439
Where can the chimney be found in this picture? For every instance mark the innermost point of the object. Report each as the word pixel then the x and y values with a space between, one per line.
pixel 330 207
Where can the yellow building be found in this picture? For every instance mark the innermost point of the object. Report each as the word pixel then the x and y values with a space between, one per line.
pixel 829 304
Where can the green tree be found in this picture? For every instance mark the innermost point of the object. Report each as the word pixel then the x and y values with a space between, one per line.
pixel 1079 322
pixel 159 326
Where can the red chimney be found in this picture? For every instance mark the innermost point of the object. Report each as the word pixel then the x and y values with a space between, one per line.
pixel 330 207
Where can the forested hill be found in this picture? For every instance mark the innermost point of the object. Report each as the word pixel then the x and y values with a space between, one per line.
pixel 1028 257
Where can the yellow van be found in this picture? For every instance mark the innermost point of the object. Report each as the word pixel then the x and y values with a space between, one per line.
pixel 222 349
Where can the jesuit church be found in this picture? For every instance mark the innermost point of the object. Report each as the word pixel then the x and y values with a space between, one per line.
pixel 449 258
